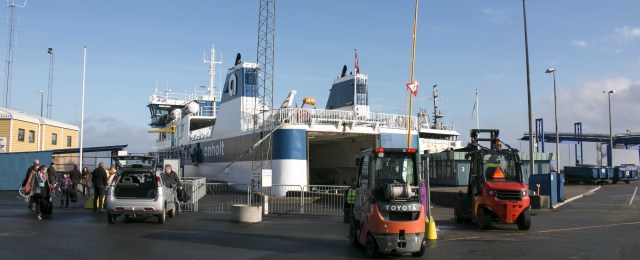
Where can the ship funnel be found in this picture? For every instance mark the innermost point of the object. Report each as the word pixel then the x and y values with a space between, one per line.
pixel 344 71
pixel 238 56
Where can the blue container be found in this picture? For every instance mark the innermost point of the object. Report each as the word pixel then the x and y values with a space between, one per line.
pixel 548 185
pixel 584 173
pixel 560 187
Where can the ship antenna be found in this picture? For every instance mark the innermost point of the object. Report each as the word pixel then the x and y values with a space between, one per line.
pixel 212 69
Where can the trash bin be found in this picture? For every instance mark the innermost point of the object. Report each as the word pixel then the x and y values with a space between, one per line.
pixel 548 185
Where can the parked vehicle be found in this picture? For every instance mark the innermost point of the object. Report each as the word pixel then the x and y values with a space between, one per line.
pixel 496 191
pixel 388 216
pixel 626 173
pixel 139 190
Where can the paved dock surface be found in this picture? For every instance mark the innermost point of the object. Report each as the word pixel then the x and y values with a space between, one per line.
pixel 601 225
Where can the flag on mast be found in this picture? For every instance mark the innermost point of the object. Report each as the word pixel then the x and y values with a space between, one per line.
pixel 357 70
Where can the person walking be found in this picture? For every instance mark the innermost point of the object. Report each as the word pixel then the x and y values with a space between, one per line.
pixel 65 187
pixel 112 175
pixel 99 181
pixel 30 171
pixel 40 188
pixel 51 173
pixel 85 181
pixel 75 176
pixel 172 178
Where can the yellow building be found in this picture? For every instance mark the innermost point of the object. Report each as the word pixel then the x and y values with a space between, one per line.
pixel 22 132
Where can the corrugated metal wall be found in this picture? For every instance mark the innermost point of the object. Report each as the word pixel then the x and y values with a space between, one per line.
pixel 13 167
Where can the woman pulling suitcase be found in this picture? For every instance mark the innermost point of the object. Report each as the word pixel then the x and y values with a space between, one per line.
pixel 40 190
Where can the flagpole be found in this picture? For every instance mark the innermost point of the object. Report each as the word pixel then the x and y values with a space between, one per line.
pixel 84 66
pixel 477 111
pixel 413 55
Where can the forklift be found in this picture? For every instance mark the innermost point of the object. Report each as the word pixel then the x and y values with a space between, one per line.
pixel 496 190
pixel 388 216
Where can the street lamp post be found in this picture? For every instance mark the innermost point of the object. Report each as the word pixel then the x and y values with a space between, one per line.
pixel 610 155
pixel 41 100
pixel 555 111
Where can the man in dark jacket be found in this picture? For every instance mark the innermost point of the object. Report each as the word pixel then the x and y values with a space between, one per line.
pixel 172 178
pixel 51 172
pixel 33 168
pixel 99 181
pixel 74 175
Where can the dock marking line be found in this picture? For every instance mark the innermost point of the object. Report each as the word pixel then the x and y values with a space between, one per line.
pixel 633 197
pixel 545 231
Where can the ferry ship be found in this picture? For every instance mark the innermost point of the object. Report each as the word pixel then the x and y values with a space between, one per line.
pixel 214 133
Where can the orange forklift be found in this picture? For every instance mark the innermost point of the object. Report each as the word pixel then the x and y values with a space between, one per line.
pixel 496 191
pixel 388 216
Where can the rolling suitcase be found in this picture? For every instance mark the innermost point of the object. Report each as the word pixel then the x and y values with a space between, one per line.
pixel 46 207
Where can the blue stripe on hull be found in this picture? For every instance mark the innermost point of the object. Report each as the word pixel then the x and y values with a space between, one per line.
pixel 290 144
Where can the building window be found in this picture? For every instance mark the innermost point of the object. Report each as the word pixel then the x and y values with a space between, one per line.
pixel 54 139
pixel 32 136
pixel 68 141
pixel 20 135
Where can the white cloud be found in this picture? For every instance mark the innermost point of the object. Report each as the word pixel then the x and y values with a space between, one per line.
pixel 494 15
pixel 589 105
pixel 580 43
pixel 626 34
pixel 105 131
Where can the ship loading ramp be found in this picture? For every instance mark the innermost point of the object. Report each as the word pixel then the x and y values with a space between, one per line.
pixel 332 156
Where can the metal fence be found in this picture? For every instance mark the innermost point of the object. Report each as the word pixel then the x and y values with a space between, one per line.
pixel 278 199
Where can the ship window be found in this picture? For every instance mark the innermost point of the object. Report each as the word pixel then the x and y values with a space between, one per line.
pixel 250 77
pixel 68 141
pixel 54 139
pixel 32 136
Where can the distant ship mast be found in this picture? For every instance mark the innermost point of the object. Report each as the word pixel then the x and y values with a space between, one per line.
pixel 437 114
pixel 212 70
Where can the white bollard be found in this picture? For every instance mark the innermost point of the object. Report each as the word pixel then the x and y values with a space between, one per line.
pixel 243 213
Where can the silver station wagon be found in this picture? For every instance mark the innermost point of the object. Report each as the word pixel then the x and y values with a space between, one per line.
pixel 139 190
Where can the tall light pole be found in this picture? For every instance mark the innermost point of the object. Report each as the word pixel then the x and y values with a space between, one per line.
pixel 555 111
pixel 610 154
pixel 41 100
pixel 50 90
pixel 526 48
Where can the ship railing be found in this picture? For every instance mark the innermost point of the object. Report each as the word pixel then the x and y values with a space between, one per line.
pixel 207 111
pixel 331 117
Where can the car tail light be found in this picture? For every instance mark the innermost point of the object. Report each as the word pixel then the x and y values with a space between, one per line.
pixel 379 150
pixel 158 181
pixel 409 150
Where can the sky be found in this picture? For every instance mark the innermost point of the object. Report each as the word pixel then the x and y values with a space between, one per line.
pixel 135 46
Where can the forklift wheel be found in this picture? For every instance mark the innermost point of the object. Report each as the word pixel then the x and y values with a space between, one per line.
pixel 456 214
pixel 484 219
pixel 423 248
pixel 524 220
pixel 371 248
